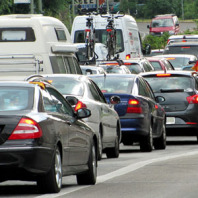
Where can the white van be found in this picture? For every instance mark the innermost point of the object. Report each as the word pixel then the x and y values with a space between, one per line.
pixel 35 44
pixel 128 37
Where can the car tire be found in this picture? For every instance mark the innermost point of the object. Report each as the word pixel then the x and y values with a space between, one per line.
pixel 89 177
pixel 100 146
pixel 160 143
pixel 146 144
pixel 114 151
pixel 52 181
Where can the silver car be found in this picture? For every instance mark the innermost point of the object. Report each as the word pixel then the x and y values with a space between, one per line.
pixel 82 92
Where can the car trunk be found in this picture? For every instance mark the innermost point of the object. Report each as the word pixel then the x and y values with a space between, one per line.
pixel 121 108
pixel 175 100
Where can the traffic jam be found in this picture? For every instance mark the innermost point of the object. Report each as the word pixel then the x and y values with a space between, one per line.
pixel 73 99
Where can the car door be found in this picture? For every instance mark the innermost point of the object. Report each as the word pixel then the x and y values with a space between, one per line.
pixel 77 138
pixel 108 117
pixel 156 110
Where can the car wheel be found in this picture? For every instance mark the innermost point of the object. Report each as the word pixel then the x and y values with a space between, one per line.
pixel 146 144
pixel 89 177
pixel 52 181
pixel 100 150
pixel 160 143
pixel 113 152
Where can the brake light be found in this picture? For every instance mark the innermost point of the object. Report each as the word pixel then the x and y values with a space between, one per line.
pixel 109 30
pixel 192 99
pixel 128 63
pixel 170 58
pixel 87 30
pixel 80 105
pixel 26 129
pixel 128 56
pixel 163 75
pixel 185 47
pixel 134 106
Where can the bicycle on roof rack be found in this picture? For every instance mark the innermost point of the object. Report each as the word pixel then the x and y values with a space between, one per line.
pixel 91 56
pixel 111 36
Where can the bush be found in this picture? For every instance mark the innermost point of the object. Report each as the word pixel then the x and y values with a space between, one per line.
pixel 156 42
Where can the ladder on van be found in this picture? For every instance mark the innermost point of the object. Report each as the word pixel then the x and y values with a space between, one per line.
pixel 20 63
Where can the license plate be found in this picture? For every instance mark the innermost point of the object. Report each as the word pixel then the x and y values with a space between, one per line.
pixel 170 120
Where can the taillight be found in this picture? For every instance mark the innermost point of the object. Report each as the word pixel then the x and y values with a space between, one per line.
pixel 192 99
pixel 128 56
pixel 80 105
pixel 26 129
pixel 134 106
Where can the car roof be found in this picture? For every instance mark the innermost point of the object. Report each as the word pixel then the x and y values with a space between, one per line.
pixel 182 43
pixel 73 76
pixel 176 55
pixel 114 75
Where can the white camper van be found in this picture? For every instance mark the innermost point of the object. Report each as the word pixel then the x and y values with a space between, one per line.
pixel 127 34
pixel 35 44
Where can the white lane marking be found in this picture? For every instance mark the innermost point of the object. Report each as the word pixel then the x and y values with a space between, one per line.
pixel 120 172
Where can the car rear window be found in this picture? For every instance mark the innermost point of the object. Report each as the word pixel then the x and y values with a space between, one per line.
pixel 113 85
pixel 182 50
pixel 178 62
pixel 175 82
pixel 13 98
pixel 68 86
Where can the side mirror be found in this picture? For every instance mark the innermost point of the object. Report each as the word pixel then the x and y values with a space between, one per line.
pixel 147 49
pixel 148 26
pixel 83 113
pixel 115 100
pixel 159 99
pixel 72 100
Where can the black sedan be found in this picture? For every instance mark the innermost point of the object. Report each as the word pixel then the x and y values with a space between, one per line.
pixel 42 138
pixel 180 90
pixel 142 118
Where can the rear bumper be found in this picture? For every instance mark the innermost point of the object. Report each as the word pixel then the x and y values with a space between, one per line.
pixel 30 160
pixel 133 128
pixel 186 123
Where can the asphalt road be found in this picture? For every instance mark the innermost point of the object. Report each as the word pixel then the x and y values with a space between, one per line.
pixel 158 174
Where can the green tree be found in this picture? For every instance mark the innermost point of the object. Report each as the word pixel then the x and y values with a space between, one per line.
pixel 6 6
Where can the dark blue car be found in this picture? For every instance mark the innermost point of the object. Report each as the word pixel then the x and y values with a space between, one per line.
pixel 142 118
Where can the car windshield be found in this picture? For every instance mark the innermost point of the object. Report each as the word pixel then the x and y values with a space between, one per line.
pixel 101 37
pixel 68 86
pixel 14 98
pixel 113 85
pixel 182 50
pixel 163 83
pixel 179 62
pixel 162 23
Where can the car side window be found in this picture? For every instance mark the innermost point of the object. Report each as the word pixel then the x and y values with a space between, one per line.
pixel 55 102
pixel 101 96
pixel 149 90
pixel 141 89
pixel 93 91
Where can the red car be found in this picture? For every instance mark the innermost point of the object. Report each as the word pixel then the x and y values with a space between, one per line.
pixel 164 23
pixel 160 63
